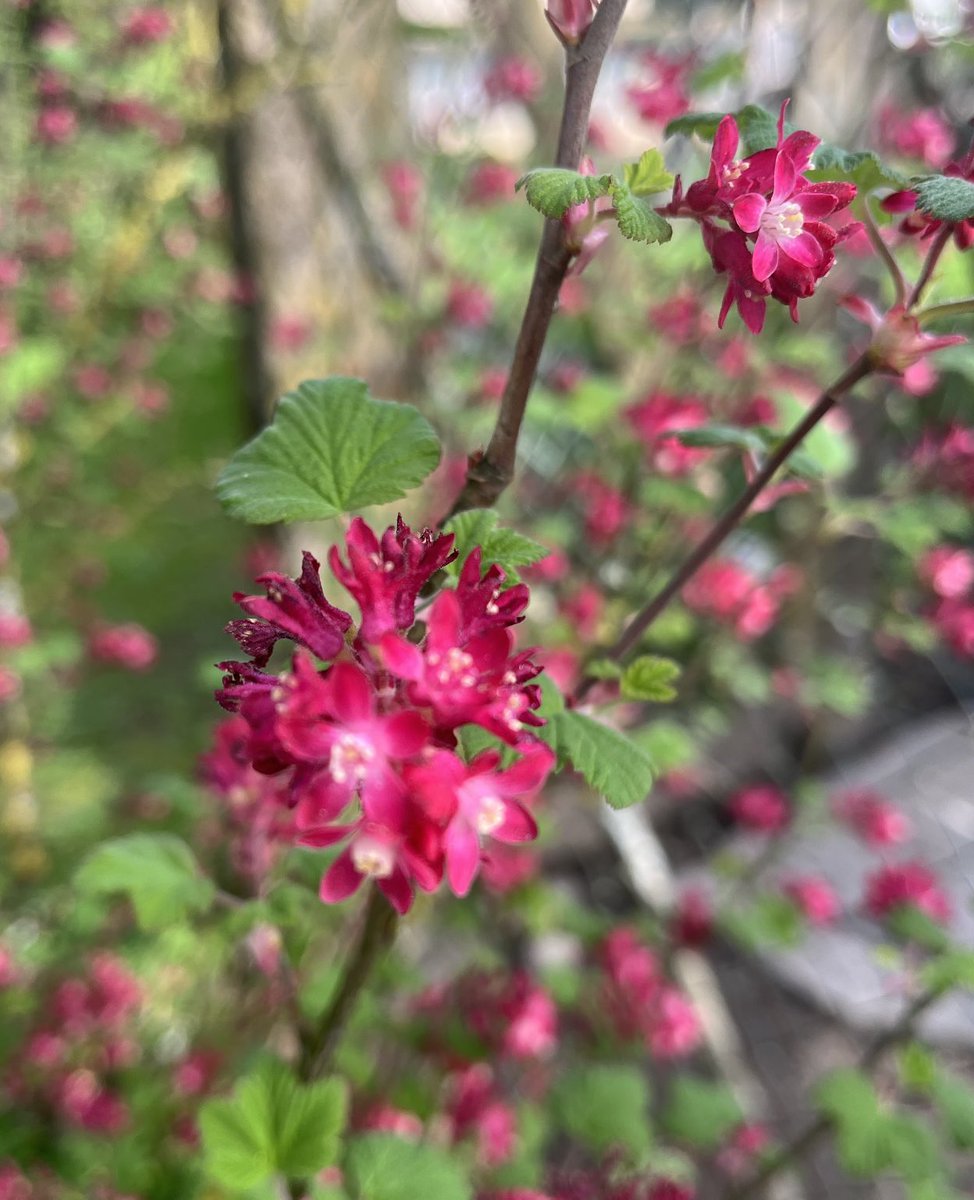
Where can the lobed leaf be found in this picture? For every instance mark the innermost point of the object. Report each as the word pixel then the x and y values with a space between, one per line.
pixel 330 449
pixel 637 219
pixel 506 547
pixel 649 175
pixel 381 1166
pixel 650 678
pixel 157 871
pixel 606 1107
pixel 700 1113
pixel 554 190
pixel 273 1125
pixel 612 764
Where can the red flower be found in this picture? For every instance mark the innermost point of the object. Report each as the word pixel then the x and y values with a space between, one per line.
pixel 571 18
pixel 871 817
pixel 896 885
pixel 763 809
pixel 815 897
pixel 386 577
pixel 477 800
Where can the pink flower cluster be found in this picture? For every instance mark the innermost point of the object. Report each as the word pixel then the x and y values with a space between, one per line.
pixel 654 419
pixel 871 817
pixel 948 573
pixel 764 222
pixel 666 93
pixel 729 593
pixel 761 808
pixel 639 1000
pixel 898 885
pixel 83 1039
pixel 128 646
pixel 367 748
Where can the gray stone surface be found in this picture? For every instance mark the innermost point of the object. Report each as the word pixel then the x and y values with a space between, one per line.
pixel 927 770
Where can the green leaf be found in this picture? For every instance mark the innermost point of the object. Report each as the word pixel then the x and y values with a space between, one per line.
pixel 611 763
pixel 700 1113
pixel 729 66
pixel 914 925
pixel 758 129
pixel 703 124
pixel 330 449
pixel 380 1166
pixel 946 197
pixel 605 1107
pixel 506 547
pixel 953 969
pixel 911 1146
pixel 553 190
pixel 604 668
pixel 30 366
pixel 637 219
pixel 157 871
pixel 649 175
pixel 650 678
pixel 767 921
pixel 918 1068
pixel 273 1125
pixel 861 167
pixel 720 436
pixel 954 1098
pixel 848 1099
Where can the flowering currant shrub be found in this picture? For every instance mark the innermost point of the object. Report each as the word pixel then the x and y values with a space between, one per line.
pixel 405 922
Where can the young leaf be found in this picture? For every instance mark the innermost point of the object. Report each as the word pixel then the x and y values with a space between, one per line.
pixel 157 871
pixel 604 668
pixel 273 1125
pixel 611 763
pixel 650 678
pixel 605 1107
pixel 553 190
pixel 478 527
pixel 703 124
pixel 946 197
pixel 649 175
pixel 758 129
pixel 700 1113
pixel 637 219
pixel 330 449
pixel 381 1166
pixel 861 167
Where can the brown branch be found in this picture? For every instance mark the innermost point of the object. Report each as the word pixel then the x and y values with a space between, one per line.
pixel 730 519
pixel 816 1129
pixel 489 473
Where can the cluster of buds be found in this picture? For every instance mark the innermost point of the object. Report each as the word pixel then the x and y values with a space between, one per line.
pixel 83 1039
pixel 366 747
pixel 640 1001
pixel 764 222
pixel 896 886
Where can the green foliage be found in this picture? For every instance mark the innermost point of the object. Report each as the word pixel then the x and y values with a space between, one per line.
pixel 872 1138
pixel 912 924
pixel 272 1125
pixel 864 168
pixel 700 1113
pixel 330 449
pixel 767 921
pixel 945 197
pixel 612 764
pixel 954 1097
pixel 606 1107
pixel 381 1166
pixel 649 175
pixel 29 367
pixel 506 547
pixel 952 969
pixel 158 873
pixel 554 190
pixel 650 678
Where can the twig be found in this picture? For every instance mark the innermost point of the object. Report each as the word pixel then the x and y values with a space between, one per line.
pixel 490 473
pixel 728 522
pixel 933 256
pixel 376 935
pixel 816 1129
pixel 889 262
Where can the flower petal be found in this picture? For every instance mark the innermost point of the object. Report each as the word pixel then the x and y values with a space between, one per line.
pixel 462 856
pixel 518 825
pixel 803 249
pixel 765 258
pixel 351 694
pixel 340 880
pixel 748 211
pixel 785 178
pixel 397 891
pixel 402 658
